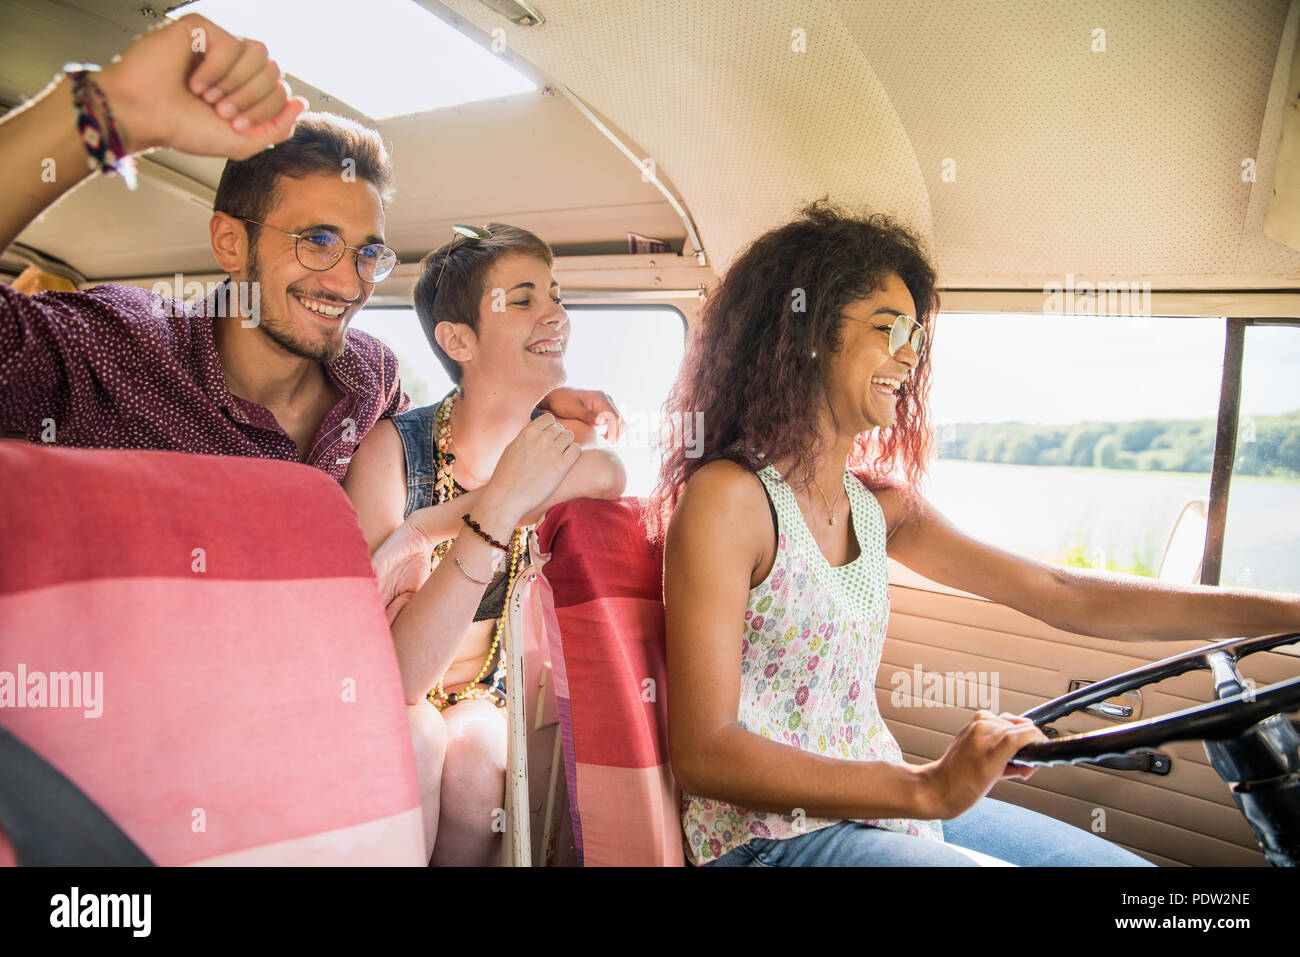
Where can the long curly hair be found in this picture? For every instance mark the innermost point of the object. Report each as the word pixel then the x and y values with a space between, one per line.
pixel 755 363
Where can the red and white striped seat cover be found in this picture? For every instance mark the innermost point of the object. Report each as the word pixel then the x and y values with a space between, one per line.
pixel 240 699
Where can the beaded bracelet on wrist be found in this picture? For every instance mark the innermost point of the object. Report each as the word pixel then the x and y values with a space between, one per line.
pixel 478 530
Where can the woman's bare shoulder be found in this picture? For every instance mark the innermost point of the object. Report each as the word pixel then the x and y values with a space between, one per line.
pixel 380 453
pixel 723 483
pixel 722 499
pixel 721 522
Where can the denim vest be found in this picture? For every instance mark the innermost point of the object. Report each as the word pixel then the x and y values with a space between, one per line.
pixel 415 428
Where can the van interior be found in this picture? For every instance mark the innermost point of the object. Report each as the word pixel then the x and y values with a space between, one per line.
pixel 1111 194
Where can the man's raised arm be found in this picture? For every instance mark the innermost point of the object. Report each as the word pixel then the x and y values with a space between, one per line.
pixel 188 85
pixel 227 99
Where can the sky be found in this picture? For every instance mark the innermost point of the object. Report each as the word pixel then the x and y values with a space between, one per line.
pixel 423 64
pixel 1061 369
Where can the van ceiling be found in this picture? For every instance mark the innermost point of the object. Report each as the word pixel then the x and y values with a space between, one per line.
pixel 532 160
pixel 1125 164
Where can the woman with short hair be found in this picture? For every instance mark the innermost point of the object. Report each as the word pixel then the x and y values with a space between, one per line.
pixel 471 474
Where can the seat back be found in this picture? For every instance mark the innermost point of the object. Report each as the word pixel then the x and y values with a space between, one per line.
pixel 536 802
pixel 599 596
pixel 198 644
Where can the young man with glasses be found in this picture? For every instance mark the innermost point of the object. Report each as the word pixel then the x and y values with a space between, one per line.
pixel 265 366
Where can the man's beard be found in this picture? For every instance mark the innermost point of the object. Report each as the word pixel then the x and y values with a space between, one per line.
pixel 282 331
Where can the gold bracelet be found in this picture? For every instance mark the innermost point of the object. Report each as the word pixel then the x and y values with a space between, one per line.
pixel 471 577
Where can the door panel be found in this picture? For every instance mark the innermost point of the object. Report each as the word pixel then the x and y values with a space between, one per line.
pixel 1186 817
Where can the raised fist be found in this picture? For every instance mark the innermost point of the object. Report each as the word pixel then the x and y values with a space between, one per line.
pixel 193 87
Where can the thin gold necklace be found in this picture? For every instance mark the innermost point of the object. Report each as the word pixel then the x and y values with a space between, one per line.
pixel 827 501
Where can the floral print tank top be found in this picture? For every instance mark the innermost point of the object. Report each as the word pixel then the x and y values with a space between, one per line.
pixel 810 648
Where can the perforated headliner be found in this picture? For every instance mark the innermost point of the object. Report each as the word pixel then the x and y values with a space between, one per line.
pixel 1126 163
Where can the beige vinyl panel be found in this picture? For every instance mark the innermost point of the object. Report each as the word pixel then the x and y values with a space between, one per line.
pixel 1185 817
pixel 148 231
pixel 1125 164
pixel 573 189
pixel 39 36
pixel 532 161
pixel 1271 220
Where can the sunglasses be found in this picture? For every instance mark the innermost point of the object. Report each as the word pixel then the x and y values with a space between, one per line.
pixel 320 249
pixel 460 230
pixel 903 330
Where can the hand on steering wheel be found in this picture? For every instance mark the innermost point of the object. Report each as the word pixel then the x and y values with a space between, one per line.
pixel 1225 718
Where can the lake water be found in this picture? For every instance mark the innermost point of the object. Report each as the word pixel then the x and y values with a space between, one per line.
pixel 1045 511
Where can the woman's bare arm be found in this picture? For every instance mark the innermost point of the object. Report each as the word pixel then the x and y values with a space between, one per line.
pixel 1083 601
pixel 715 543
pixel 401 551
pixel 429 617
pixel 599 473
pixel 376 484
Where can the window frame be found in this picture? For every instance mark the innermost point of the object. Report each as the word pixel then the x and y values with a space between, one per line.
pixel 1225 439
pixel 572 303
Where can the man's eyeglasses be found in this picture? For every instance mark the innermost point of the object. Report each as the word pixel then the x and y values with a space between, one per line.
pixel 459 230
pixel 320 249
pixel 904 328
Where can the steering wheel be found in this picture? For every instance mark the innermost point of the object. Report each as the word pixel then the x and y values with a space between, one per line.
pixel 1238 706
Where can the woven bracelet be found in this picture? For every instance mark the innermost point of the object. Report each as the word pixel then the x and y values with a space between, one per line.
pixel 100 136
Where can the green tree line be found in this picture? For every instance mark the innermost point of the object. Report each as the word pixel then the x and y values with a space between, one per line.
pixel 1266 444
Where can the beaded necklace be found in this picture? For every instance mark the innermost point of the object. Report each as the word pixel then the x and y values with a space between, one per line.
pixel 444 490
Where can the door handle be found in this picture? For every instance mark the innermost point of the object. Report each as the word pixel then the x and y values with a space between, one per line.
pixel 1108 710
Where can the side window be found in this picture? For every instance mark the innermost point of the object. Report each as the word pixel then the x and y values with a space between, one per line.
pixel 1077 439
pixel 1261 547
pixel 630 352
pixel 423 378
pixel 633 353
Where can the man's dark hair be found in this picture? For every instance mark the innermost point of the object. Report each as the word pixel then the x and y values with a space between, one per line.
pixel 464 280
pixel 321 143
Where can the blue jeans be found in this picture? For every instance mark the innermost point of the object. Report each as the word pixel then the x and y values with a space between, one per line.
pixel 1001 830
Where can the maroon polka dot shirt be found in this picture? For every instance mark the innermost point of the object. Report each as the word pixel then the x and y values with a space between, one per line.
pixel 120 367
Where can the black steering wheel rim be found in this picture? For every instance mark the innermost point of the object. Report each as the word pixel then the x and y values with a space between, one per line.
pixel 1214 721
